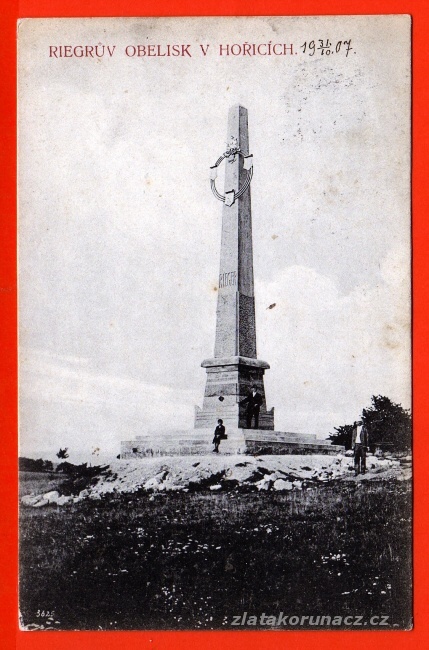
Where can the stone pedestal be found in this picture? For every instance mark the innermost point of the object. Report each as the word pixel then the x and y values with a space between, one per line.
pixel 229 380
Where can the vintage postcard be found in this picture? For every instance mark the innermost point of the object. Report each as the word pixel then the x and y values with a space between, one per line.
pixel 214 323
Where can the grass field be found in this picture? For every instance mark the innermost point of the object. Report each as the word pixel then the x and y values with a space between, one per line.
pixel 38 482
pixel 195 560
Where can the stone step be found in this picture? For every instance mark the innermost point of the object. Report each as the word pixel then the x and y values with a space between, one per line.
pixel 208 431
pixel 240 441
pixel 281 448
pixel 257 441
pixel 192 447
pixel 279 435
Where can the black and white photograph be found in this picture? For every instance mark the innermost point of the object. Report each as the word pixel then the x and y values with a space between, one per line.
pixel 215 427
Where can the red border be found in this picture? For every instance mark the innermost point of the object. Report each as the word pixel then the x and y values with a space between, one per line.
pixel 10 636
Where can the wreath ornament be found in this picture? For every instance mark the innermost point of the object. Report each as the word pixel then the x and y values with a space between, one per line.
pixel 232 151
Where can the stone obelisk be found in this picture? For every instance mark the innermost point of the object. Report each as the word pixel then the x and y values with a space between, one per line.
pixel 235 368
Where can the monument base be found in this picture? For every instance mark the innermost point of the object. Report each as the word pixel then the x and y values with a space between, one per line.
pixel 229 381
pixel 198 442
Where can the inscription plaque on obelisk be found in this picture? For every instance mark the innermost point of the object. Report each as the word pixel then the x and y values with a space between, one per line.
pixel 234 369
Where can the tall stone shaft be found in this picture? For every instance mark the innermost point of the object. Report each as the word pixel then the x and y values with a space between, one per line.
pixel 234 369
pixel 235 317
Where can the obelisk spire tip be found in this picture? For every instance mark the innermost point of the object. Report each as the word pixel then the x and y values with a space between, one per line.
pixel 236 107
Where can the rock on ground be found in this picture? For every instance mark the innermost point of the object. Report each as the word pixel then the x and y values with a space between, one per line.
pixel 183 473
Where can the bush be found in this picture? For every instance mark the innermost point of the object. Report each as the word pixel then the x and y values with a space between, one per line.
pixel 80 476
pixel 389 426
pixel 32 465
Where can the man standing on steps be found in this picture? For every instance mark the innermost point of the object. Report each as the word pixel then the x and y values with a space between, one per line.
pixel 219 435
pixel 254 402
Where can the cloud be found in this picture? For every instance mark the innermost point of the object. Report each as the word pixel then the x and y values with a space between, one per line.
pixel 330 351
pixel 66 402
pixel 120 235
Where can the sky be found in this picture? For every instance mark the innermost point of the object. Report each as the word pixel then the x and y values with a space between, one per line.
pixel 119 234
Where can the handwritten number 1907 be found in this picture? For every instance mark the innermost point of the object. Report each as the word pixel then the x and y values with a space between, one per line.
pixel 325 47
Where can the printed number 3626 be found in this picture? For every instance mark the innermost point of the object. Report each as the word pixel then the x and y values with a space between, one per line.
pixel 44 613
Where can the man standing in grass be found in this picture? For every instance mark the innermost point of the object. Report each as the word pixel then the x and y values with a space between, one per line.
pixel 219 435
pixel 360 446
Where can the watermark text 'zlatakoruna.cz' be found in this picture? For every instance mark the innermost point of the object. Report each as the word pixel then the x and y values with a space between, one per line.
pixel 279 620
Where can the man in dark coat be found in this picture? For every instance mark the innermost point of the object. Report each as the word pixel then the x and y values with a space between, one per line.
pixel 360 446
pixel 219 435
pixel 254 402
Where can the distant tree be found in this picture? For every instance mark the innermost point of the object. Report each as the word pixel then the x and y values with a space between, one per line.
pixel 63 453
pixel 343 436
pixel 66 468
pixel 32 465
pixel 389 426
